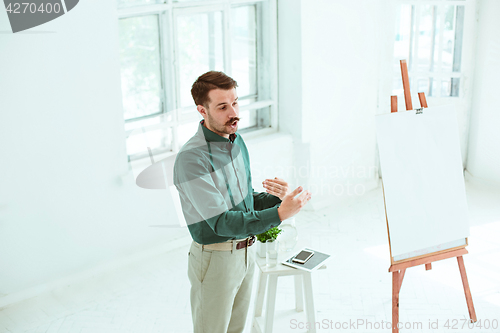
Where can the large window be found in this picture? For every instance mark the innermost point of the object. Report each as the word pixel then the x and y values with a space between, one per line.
pixel 429 34
pixel 166 45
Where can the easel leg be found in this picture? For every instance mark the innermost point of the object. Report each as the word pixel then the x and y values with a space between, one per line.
pixel 401 276
pixel 468 296
pixel 396 285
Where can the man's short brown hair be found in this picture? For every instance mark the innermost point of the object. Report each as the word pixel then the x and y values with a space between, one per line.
pixel 209 81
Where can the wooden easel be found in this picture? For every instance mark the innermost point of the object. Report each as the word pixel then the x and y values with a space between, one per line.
pixel 398 268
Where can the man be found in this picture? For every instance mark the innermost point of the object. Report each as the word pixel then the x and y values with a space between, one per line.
pixel 223 213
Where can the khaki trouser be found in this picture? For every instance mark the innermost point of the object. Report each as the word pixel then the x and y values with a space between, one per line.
pixel 221 286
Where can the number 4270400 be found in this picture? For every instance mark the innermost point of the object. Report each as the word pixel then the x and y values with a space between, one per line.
pixel 17 8
pixel 455 324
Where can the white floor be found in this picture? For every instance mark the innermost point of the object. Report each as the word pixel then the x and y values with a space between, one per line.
pixel 153 296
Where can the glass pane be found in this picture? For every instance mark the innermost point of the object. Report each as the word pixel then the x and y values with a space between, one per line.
pixel 246 101
pixel 156 139
pixel 140 66
pixel 248 119
pixel 165 117
pixel 255 119
pixel 244 49
pixel 402 41
pixel 423 85
pixel 413 32
pixel 401 45
pixel 445 87
pixel 427 35
pixel 433 84
pixel 459 32
pixel 397 84
pixel 448 38
pixel 130 3
pixel 455 86
pixel 200 41
pixel 264 117
pixel 435 41
pixel 141 137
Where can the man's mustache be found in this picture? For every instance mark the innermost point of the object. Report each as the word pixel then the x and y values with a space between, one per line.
pixel 232 120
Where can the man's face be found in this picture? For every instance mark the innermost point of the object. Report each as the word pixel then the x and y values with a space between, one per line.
pixel 222 114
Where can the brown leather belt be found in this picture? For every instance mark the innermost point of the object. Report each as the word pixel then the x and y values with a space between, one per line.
pixel 228 246
pixel 246 243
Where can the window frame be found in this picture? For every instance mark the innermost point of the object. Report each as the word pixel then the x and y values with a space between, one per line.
pixel 266 39
pixel 415 75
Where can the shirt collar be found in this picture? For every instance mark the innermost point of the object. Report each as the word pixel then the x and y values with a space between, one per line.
pixel 214 137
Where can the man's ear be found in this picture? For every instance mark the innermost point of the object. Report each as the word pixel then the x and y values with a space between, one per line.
pixel 201 109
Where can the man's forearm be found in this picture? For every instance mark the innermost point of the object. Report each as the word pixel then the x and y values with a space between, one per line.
pixel 264 200
pixel 240 224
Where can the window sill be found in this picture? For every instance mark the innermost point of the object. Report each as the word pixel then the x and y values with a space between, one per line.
pixel 135 167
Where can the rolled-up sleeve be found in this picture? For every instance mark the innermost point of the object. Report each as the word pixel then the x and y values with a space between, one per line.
pixel 263 200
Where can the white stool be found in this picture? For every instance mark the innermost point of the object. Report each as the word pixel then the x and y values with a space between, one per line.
pixel 269 276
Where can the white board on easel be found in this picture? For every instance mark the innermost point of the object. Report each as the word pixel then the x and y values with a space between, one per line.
pixel 423 181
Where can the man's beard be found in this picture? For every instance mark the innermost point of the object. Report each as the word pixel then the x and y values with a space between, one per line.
pixel 223 128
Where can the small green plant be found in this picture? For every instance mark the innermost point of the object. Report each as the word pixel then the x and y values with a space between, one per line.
pixel 270 234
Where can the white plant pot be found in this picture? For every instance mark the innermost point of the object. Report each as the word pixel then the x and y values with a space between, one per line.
pixel 261 249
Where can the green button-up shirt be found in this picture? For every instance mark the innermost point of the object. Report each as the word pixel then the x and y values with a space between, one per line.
pixel 212 175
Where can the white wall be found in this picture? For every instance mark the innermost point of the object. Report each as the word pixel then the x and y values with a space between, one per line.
pixel 328 55
pixel 483 161
pixel 69 206
pixel 64 206
pixel 270 156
